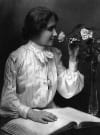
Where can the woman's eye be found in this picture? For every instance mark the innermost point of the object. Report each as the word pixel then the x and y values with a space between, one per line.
pixel 50 28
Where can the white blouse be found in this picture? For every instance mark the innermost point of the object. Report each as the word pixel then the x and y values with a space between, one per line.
pixel 32 76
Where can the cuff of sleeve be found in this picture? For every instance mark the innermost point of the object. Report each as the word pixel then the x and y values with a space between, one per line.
pixel 73 66
pixel 24 110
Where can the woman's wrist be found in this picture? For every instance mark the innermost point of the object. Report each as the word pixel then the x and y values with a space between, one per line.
pixel 72 58
pixel 29 113
pixel 73 65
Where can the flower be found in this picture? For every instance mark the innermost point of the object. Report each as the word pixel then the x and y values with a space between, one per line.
pixel 71 40
pixel 86 34
pixel 61 36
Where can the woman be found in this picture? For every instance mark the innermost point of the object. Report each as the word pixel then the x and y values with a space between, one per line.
pixel 34 72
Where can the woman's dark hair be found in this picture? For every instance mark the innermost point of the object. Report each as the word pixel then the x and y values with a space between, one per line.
pixel 36 20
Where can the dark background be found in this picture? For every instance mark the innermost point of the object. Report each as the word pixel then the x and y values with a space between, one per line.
pixel 71 13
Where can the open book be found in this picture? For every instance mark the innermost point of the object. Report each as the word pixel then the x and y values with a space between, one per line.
pixel 67 118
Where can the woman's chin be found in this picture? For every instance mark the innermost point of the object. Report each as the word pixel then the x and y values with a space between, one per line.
pixel 51 43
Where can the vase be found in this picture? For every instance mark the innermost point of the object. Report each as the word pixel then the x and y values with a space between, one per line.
pixel 93 107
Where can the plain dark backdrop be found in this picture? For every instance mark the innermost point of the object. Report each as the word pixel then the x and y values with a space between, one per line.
pixel 71 13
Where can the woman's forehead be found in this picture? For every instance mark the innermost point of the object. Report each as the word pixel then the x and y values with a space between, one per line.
pixel 52 22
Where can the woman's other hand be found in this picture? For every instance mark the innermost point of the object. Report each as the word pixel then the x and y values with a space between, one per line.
pixel 41 116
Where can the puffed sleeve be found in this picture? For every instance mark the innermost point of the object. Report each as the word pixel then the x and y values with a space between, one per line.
pixel 70 81
pixel 9 99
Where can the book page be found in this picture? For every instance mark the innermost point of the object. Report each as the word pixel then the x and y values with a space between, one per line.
pixel 79 116
pixel 65 117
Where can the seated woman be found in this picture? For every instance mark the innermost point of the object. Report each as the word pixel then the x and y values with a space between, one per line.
pixel 34 72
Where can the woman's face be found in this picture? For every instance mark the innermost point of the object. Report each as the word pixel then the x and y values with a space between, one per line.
pixel 47 35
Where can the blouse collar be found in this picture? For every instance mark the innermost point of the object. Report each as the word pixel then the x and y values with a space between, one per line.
pixel 41 53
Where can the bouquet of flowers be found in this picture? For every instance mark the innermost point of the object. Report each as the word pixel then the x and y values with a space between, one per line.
pixel 80 35
pixel 84 38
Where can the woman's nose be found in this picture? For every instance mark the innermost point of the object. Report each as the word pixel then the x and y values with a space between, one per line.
pixel 54 32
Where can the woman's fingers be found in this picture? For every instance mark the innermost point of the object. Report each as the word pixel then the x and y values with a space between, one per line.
pixel 43 121
pixel 50 117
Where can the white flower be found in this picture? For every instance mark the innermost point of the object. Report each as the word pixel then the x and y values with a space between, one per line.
pixel 61 36
pixel 71 40
pixel 85 33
